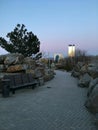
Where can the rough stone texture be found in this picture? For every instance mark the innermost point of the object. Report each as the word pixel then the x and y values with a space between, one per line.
pixel 79 69
pixel 31 71
pixel 80 64
pixel 93 70
pixel 30 62
pixel 48 77
pixel 16 68
pixel 83 69
pixel 12 59
pixel 76 68
pixel 49 74
pixel 84 80
pixel 38 73
pixel 91 86
pixel 16 63
pixel 92 101
pixel 42 70
pixel 58 105
pixel 75 74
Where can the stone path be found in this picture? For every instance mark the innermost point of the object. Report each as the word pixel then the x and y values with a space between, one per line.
pixel 58 105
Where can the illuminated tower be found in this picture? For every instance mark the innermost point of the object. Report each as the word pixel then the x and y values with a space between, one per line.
pixel 71 50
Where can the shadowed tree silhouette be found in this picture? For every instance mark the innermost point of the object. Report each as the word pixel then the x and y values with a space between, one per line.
pixel 21 41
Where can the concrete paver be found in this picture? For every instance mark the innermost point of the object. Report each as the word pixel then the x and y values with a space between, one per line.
pixel 58 105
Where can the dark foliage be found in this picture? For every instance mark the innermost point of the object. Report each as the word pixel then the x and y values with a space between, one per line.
pixel 21 41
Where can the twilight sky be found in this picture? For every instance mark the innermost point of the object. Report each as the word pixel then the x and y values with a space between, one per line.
pixel 57 23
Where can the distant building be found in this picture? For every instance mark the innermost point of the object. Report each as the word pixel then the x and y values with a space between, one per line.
pixel 57 57
pixel 71 50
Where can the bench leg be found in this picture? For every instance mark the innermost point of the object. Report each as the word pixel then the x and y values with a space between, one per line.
pixel 5 87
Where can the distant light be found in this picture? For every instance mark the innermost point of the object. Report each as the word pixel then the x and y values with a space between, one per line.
pixel 71 50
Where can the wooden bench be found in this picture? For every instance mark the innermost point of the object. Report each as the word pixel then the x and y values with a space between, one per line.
pixel 20 80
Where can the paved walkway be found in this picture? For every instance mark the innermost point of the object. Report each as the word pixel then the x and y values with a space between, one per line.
pixel 58 105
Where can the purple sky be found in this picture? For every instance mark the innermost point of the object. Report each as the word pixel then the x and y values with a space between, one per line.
pixel 57 23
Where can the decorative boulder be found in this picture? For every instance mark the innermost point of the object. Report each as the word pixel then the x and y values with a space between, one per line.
pixel 93 70
pixel 84 80
pixel 16 68
pixel 91 86
pixel 76 68
pixel 12 59
pixel 75 74
pixel 80 64
pixel 31 71
pixel 38 73
pixel 92 102
pixel 30 62
pixel 49 74
pixel 48 77
pixel 83 69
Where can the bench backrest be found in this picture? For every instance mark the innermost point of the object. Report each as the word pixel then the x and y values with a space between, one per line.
pixel 20 79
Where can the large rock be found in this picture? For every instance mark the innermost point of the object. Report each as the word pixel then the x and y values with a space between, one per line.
pixel 31 71
pixel 12 59
pixel 83 69
pixel 17 68
pixel 49 74
pixel 80 64
pixel 93 70
pixel 92 102
pixel 76 68
pixel 30 62
pixel 16 63
pixel 84 80
pixel 38 73
pixel 48 77
pixel 91 86
pixel 75 74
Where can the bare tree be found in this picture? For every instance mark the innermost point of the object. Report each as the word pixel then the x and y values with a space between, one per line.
pixel 80 55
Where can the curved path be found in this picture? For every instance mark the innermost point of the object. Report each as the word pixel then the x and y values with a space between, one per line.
pixel 58 105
